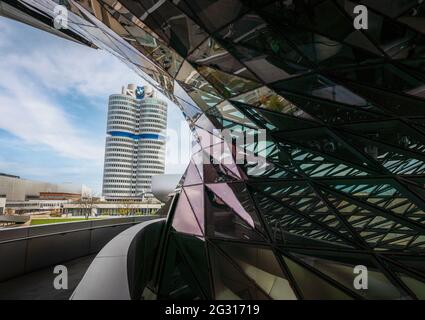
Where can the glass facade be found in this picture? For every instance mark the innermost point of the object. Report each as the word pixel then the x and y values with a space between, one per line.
pixel 343 183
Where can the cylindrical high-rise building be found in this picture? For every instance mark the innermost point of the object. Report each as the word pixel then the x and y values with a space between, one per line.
pixel 135 143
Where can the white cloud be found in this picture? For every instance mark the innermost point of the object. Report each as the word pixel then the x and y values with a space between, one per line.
pixel 5 32
pixel 32 73
pixel 62 65
pixel 36 68
pixel 95 74
pixel 37 120
pixel 89 72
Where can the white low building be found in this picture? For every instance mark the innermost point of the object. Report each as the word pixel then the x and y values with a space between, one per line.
pixel 17 189
pixel 85 207
pixel 2 205
pixel 112 208
pixel 35 206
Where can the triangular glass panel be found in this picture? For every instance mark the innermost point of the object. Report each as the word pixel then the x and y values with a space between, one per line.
pixel 224 222
pixel 317 165
pixel 210 53
pixel 203 99
pixel 192 175
pixel 178 282
pixel 413 263
pixel 261 266
pixel 292 228
pixel 186 103
pixel 334 113
pixel 195 252
pixel 392 158
pixel 184 219
pixel 415 285
pixel 300 197
pixel 388 101
pixel 226 110
pixel 325 143
pixel 181 33
pixel 226 84
pixel 250 38
pixel 273 120
pixel 215 171
pixel 267 99
pixel 226 193
pixel 206 138
pixel 230 282
pixel 372 227
pixel 313 287
pixel 190 76
pixel 320 87
pixel 325 18
pixel 195 195
pixel 384 194
pixel 213 14
pixel 339 267
pixel 401 42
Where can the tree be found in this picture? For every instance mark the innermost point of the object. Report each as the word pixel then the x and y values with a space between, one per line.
pixel 86 203
pixel 126 207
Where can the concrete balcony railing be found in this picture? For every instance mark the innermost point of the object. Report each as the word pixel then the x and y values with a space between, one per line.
pixel 124 266
pixel 26 249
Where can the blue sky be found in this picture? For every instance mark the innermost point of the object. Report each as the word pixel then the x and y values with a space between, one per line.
pixel 53 108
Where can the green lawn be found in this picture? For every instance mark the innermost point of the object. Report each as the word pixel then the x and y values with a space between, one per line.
pixel 35 222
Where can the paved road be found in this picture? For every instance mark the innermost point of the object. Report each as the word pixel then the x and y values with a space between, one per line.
pixel 38 285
